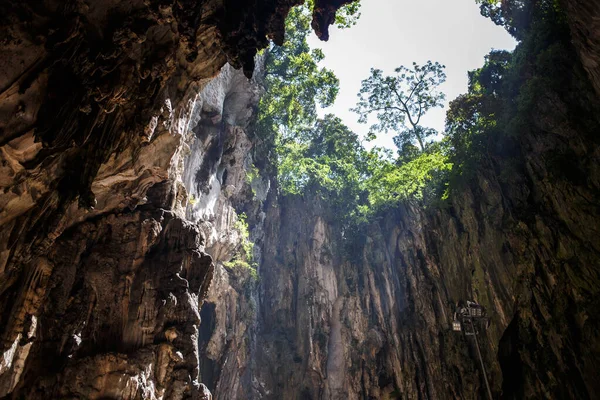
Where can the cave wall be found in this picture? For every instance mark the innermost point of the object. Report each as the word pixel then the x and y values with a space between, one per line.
pixel 112 309
pixel 123 169
pixel 101 273
pixel 374 320
pixel 585 28
pixel 103 267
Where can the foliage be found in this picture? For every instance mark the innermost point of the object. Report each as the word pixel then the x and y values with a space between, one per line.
pixel 323 156
pixel 472 119
pixel 508 14
pixel 252 174
pixel 327 158
pixel 391 181
pixel 348 15
pixel 489 79
pixel 406 95
pixel 538 88
pixel 241 225
pixel 244 256
pixel 294 83
pixel 330 159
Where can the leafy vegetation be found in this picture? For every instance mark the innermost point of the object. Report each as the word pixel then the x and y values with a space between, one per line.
pixel 329 159
pixel 321 155
pixel 294 83
pixel 346 16
pixel 244 257
pixel 421 176
pixel 541 79
pixel 406 95
pixel 472 118
pixel 400 101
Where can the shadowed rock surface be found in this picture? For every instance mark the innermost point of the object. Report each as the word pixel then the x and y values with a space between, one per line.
pixel 123 168
pixel 101 274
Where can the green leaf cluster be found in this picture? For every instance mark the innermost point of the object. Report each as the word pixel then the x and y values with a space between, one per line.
pixel 506 92
pixel 347 16
pixel 393 180
pixel 483 126
pixel 294 83
pixel 244 256
pixel 400 100
pixel 322 155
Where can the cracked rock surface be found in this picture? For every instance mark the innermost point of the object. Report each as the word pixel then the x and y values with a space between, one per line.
pixel 123 167
pixel 101 272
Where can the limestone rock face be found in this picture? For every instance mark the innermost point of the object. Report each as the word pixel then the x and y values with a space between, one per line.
pixel 116 298
pixel 223 182
pixel 102 269
pixel 107 304
pixel 124 167
pixel 374 321
pixel 371 318
pixel 584 21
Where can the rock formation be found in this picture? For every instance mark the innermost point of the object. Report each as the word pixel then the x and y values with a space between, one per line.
pixel 124 170
pixel 101 273
pixel 372 318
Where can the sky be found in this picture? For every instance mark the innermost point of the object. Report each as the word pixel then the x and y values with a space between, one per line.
pixel 391 33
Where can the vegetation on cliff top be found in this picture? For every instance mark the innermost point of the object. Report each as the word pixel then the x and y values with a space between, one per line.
pixel 322 155
pixel 244 256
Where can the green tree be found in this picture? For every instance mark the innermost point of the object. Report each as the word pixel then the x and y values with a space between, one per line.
pixel 327 158
pixel 326 154
pixel 473 119
pixel 323 156
pixel 294 83
pixel 390 181
pixel 512 15
pixel 401 100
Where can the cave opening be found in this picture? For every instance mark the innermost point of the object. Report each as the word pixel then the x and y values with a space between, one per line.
pixel 332 205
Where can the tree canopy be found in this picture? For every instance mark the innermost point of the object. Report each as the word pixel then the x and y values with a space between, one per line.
pixel 294 83
pixel 322 155
pixel 400 100
pixel 346 17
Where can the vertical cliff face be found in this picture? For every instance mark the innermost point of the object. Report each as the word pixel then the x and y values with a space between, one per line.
pixel 370 316
pixel 583 20
pixel 223 184
pixel 374 320
pixel 124 172
pixel 110 308
pixel 334 317
pixel 103 259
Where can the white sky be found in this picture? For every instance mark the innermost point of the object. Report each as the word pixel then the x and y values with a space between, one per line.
pixel 391 33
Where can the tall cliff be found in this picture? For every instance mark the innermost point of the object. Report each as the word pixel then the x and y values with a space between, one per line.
pixel 109 308
pixel 369 315
pixel 124 174
pixel 102 269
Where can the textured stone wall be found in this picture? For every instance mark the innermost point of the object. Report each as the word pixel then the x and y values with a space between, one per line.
pixel 121 182
pixel 110 306
pixel 101 272
pixel 371 318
